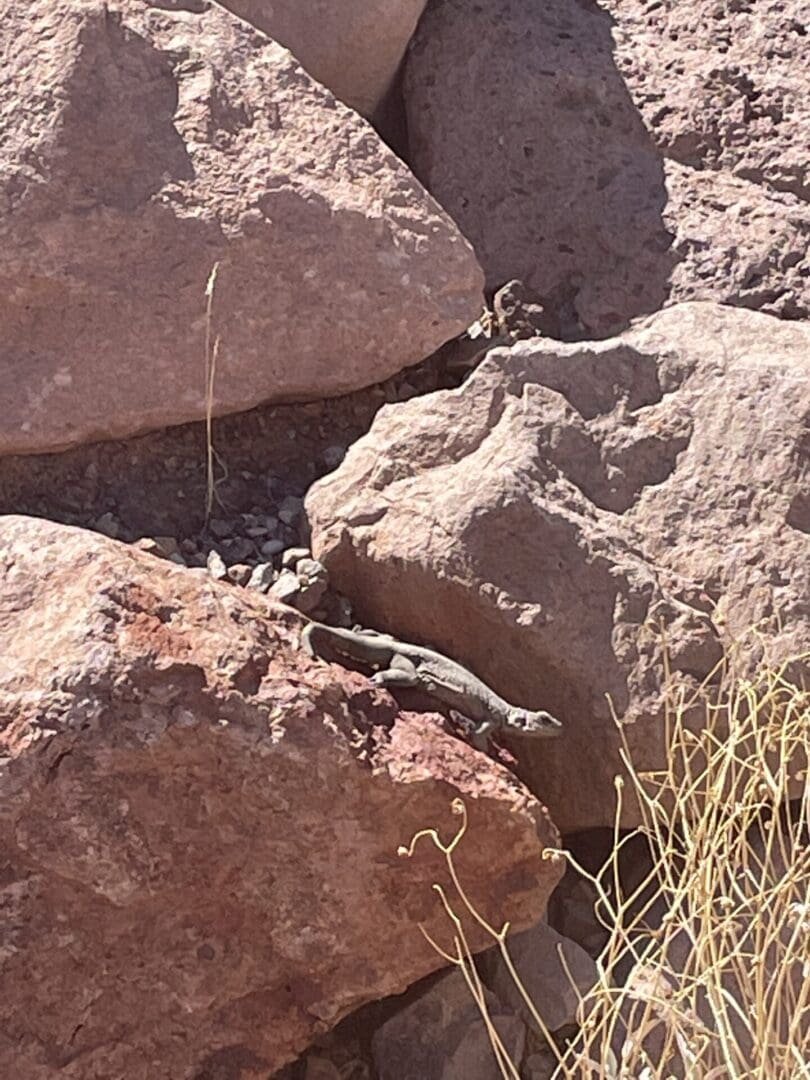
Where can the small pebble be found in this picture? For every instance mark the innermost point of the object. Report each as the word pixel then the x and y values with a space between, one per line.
pixel 262 577
pixel 311 570
pixel 271 548
pixel 109 525
pixel 177 559
pixel 216 566
pixel 293 555
pixel 332 456
pixel 291 509
pixel 168 545
pixel 286 589
pixel 220 528
pixel 240 573
pixel 239 549
pixel 147 544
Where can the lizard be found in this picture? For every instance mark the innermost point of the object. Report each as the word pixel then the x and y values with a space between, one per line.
pixel 516 314
pixel 402 665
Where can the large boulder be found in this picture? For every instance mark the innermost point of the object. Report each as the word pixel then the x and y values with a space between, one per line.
pixel 199 825
pixel 354 47
pixel 139 148
pixel 550 144
pixel 573 510
pixel 721 85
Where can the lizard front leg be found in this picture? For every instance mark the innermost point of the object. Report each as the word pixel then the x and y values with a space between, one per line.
pixel 401 674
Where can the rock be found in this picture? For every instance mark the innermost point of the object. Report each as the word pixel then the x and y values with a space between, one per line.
pixel 318 1068
pixel 573 912
pixel 332 456
pixel 311 570
pixel 199 825
pixel 290 510
pixel 256 532
pixel 133 171
pixel 549 520
pixel 109 525
pixel 557 178
pixel 261 577
pixel 737 243
pixel 536 954
pixel 286 589
pixel 293 555
pixel 220 529
pixel 354 47
pixel 167 546
pixel 301 590
pixel 542 1065
pixel 314 581
pixel 238 549
pixel 442 1036
pixel 177 559
pixel 240 573
pixel 148 545
pixel 271 548
pixel 721 85
pixel 216 566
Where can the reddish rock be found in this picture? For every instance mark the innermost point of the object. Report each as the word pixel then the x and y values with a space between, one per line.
pixel 354 47
pixel 546 521
pixel 560 146
pixel 199 825
pixel 140 147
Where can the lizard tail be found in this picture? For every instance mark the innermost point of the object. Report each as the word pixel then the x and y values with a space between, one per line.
pixel 306 640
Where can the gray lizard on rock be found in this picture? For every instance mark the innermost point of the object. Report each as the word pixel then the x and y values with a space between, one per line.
pixel 401 665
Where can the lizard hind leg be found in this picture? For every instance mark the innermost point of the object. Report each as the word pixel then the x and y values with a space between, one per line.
pixel 401 673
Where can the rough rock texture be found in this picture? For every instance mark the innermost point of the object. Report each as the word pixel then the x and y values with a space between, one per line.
pixel 354 47
pixel 442 1036
pixel 199 826
pixel 721 85
pixel 154 144
pixel 546 520
pixel 552 145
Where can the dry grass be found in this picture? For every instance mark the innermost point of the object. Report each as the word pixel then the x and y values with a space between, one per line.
pixel 211 355
pixel 706 974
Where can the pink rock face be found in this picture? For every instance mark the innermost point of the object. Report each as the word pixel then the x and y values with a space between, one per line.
pixel 721 85
pixel 155 144
pixel 591 154
pixel 546 521
pixel 199 826
pixel 354 47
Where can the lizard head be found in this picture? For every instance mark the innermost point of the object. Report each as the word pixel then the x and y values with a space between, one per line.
pixel 538 725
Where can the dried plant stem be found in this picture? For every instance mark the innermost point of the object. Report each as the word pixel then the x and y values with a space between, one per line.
pixel 719 984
